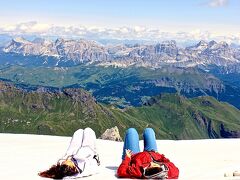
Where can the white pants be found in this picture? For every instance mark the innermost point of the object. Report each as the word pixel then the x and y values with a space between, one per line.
pixel 83 147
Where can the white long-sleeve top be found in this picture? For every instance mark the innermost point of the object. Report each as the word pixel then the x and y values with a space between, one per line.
pixel 83 148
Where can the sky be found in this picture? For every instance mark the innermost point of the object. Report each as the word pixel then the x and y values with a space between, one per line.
pixel 218 17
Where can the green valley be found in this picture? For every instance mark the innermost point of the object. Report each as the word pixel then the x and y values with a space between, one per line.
pixel 124 86
pixel 61 112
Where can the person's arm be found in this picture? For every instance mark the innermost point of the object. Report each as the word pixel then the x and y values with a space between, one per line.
pixel 125 170
pixel 173 171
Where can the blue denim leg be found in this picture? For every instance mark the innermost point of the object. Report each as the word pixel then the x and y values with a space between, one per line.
pixel 131 141
pixel 149 140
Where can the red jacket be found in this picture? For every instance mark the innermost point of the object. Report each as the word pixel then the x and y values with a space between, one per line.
pixel 131 167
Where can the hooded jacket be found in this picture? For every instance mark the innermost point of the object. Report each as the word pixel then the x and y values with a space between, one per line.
pixel 133 167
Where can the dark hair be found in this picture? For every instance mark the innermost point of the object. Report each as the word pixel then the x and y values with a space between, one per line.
pixel 59 171
pixel 152 170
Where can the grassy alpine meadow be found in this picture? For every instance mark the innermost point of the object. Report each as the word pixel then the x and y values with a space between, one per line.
pixel 172 116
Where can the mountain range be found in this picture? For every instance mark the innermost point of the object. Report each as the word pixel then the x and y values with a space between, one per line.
pixel 63 52
pixel 125 74
pixel 61 112
pixel 44 88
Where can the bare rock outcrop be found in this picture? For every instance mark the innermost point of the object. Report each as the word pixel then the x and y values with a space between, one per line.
pixel 111 134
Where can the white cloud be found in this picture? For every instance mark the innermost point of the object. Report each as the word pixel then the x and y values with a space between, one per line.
pixel 121 33
pixel 28 27
pixel 217 3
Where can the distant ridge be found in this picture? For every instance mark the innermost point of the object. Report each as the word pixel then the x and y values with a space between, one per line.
pixel 73 52
pixel 61 113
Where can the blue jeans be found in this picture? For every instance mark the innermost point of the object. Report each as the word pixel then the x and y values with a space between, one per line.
pixel 131 141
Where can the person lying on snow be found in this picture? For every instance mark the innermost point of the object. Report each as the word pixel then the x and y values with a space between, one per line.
pixel 148 164
pixel 81 158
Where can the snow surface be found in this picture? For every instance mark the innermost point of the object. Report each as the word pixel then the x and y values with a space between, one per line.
pixel 23 156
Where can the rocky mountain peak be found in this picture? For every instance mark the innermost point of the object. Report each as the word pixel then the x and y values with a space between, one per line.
pixel 200 46
pixel 79 95
pixel 75 52
pixel 17 42
pixel 212 43
pixel 224 44
pixel 20 40
pixel 16 45
pixel 202 43
pixel 59 41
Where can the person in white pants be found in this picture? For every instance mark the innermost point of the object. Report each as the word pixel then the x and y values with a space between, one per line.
pixel 80 160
